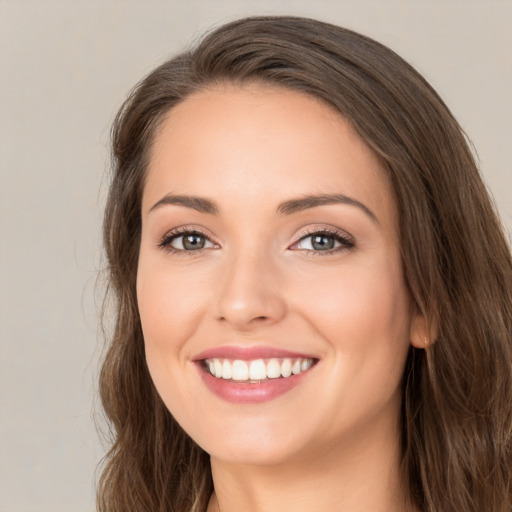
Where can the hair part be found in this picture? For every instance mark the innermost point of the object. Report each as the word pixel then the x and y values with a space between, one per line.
pixel 457 394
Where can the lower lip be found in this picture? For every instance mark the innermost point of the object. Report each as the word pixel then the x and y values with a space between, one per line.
pixel 250 393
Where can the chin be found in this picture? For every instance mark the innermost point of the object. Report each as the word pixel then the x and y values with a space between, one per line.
pixel 254 454
pixel 258 445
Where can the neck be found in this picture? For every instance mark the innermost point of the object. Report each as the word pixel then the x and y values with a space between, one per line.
pixel 361 473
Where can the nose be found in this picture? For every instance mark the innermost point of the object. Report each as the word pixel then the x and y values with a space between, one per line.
pixel 249 294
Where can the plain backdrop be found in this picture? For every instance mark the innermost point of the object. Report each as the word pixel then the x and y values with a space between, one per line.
pixel 65 69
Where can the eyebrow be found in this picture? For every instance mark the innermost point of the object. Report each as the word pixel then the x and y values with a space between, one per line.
pixel 311 201
pixel 200 204
pixel 289 207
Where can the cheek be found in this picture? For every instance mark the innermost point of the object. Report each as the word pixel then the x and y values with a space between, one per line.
pixel 364 314
pixel 169 305
pixel 364 317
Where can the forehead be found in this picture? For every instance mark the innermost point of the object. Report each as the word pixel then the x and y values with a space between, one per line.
pixel 260 141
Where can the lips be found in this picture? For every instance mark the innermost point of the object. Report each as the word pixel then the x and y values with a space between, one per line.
pixel 249 353
pixel 252 374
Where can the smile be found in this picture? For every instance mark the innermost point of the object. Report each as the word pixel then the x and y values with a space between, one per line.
pixel 257 370
pixel 255 374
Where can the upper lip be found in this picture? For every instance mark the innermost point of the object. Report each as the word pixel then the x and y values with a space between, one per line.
pixel 249 353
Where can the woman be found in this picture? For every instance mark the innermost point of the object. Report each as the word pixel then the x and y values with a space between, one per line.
pixel 314 293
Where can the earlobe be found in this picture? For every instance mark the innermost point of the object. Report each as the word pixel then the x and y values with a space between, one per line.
pixel 420 334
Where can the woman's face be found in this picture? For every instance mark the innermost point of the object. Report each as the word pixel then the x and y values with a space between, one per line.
pixel 275 314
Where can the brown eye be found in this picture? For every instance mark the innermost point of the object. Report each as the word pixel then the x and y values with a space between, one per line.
pixel 186 241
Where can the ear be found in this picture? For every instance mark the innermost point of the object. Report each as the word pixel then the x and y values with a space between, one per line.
pixel 420 334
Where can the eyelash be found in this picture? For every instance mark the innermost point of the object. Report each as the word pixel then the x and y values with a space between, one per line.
pixel 346 242
pixel 169 237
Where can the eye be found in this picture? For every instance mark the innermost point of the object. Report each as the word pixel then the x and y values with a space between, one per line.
pixel 324 241
pixel 185 240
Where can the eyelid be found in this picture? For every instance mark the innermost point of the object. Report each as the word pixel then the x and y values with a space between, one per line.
pixel 165 241
pixel 346 240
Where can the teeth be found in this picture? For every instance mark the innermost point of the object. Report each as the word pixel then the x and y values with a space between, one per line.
pixel 286 368
pixel 305 364
pixel 217 368
pixel 227 371
pixel 273 369
pixel 257 369
pixel 240 370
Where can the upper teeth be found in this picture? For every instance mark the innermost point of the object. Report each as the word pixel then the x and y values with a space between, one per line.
pixel 258 369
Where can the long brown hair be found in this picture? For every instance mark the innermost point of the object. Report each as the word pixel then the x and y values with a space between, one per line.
pixel 457 394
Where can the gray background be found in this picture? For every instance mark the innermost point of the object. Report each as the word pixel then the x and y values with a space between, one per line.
pixel 65 68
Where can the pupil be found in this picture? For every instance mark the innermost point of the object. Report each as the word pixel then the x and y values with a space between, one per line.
pixel 322 242
pixel 193 242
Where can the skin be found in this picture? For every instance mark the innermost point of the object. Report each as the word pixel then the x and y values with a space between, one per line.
pixel 332 442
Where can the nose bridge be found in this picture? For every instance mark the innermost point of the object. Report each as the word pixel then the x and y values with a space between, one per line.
pixel 249 293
